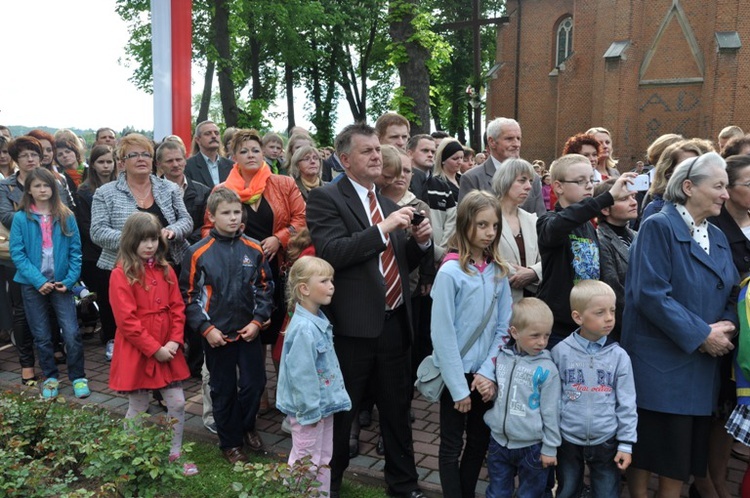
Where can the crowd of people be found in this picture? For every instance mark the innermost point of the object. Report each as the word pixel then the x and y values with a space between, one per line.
pixel 590 315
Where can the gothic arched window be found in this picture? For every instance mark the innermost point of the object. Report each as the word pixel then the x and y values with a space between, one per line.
pixel 564 40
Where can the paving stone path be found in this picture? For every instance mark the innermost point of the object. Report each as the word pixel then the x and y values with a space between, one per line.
pixel 366 467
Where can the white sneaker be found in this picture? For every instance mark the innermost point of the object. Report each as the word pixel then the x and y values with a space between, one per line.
pixel 109 349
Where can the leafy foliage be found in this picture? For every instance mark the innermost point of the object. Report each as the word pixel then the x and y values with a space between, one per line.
pixel 334 50
pixel 47 450
pixel 278 480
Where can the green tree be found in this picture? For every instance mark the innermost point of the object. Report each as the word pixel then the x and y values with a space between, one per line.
pixel 415 50
pixel 356 31
pixel 449 99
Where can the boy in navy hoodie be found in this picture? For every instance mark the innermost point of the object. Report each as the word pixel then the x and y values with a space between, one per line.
pixel 598 413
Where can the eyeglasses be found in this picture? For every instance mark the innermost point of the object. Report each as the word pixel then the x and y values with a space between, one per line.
pixel 747 184
pixel 134 155
pixel 582 182
pixel 28 155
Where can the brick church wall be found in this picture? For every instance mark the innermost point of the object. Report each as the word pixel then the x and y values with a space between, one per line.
pixel 684 87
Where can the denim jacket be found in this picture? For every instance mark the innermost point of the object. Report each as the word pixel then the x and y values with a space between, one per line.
pixel 308 359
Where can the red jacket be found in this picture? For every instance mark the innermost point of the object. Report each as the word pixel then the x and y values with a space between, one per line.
pixel 146 321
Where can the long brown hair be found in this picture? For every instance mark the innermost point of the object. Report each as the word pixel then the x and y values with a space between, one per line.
pixel 138 227
pixel 93 180
pixel 58 210
pixel 460 241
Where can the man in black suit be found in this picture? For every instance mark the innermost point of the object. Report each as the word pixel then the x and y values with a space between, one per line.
pixel 207 165
pixel 170 158
pixel 503 142
pixel 357 231
pixel 421 149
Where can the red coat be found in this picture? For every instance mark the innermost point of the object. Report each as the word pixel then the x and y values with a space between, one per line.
pixel 146 320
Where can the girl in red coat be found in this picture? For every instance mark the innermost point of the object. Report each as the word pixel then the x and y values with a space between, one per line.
pixel 150 318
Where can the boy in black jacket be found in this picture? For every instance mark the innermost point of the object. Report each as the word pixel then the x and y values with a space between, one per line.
pixel 228 292
pixel 567 239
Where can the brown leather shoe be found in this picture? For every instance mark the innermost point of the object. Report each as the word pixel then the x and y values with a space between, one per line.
pixel 253 440
pixel 234 455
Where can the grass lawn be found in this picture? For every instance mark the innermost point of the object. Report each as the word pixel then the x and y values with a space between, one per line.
pixel 216 477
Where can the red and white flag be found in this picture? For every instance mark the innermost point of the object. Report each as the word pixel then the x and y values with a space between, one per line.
pixel 171 45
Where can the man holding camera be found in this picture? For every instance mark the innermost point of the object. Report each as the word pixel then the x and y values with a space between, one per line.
pixel 362 234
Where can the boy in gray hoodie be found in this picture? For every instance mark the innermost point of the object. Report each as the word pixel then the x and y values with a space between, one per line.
pixel 598 413
pixel 524 419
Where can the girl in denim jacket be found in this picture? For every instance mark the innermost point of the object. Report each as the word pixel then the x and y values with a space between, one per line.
pixel 307 360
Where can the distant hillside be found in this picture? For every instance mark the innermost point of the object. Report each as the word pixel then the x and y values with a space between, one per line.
pixel 22 130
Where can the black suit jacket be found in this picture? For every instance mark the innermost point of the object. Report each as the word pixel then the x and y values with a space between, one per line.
pixel 195 197
pixel 197 169
pixel 343 236
pixel 480 178
pixel 738 243
pixel 418 185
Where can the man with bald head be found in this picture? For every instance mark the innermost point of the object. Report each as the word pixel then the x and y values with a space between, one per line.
pixel 503 142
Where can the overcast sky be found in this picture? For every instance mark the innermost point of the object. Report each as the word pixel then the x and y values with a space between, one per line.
pixel 60 68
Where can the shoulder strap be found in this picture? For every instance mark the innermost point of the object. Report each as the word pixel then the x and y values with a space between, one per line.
pixel 481 327
pixel 10 189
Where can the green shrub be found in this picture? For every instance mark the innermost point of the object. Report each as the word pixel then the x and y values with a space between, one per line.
pixel 134 457
pixel 278 480
pixel 48 449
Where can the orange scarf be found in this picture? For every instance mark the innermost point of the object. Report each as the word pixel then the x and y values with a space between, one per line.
pixel 251 193
pixel 76 175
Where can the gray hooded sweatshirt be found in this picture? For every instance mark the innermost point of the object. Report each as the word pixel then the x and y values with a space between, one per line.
pixel 527 407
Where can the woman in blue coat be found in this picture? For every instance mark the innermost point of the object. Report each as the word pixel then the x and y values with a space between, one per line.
pixel 679 319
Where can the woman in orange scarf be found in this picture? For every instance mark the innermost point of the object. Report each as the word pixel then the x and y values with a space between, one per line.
pixel 273 211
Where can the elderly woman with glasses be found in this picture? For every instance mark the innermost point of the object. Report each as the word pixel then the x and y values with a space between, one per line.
pixel 679 320
pixel 137 189
pixel 306 167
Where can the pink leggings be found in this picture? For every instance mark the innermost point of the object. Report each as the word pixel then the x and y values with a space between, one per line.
pixel 174 398
pixel 317 442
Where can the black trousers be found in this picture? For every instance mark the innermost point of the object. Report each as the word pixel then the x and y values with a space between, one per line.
pixel 460 465
pixel 97 280
pixel 386 361
pixel 22 338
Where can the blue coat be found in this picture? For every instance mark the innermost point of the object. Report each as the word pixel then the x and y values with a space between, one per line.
pixel 26 251
pixel 673 291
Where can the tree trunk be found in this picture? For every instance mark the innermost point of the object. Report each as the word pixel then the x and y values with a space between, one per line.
pixel 413 73
pixel 320 78
pixel 289 80
pixel 257 90
pixel 226 85
pixel 436 116
pixel 348 82
pixel 206 95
